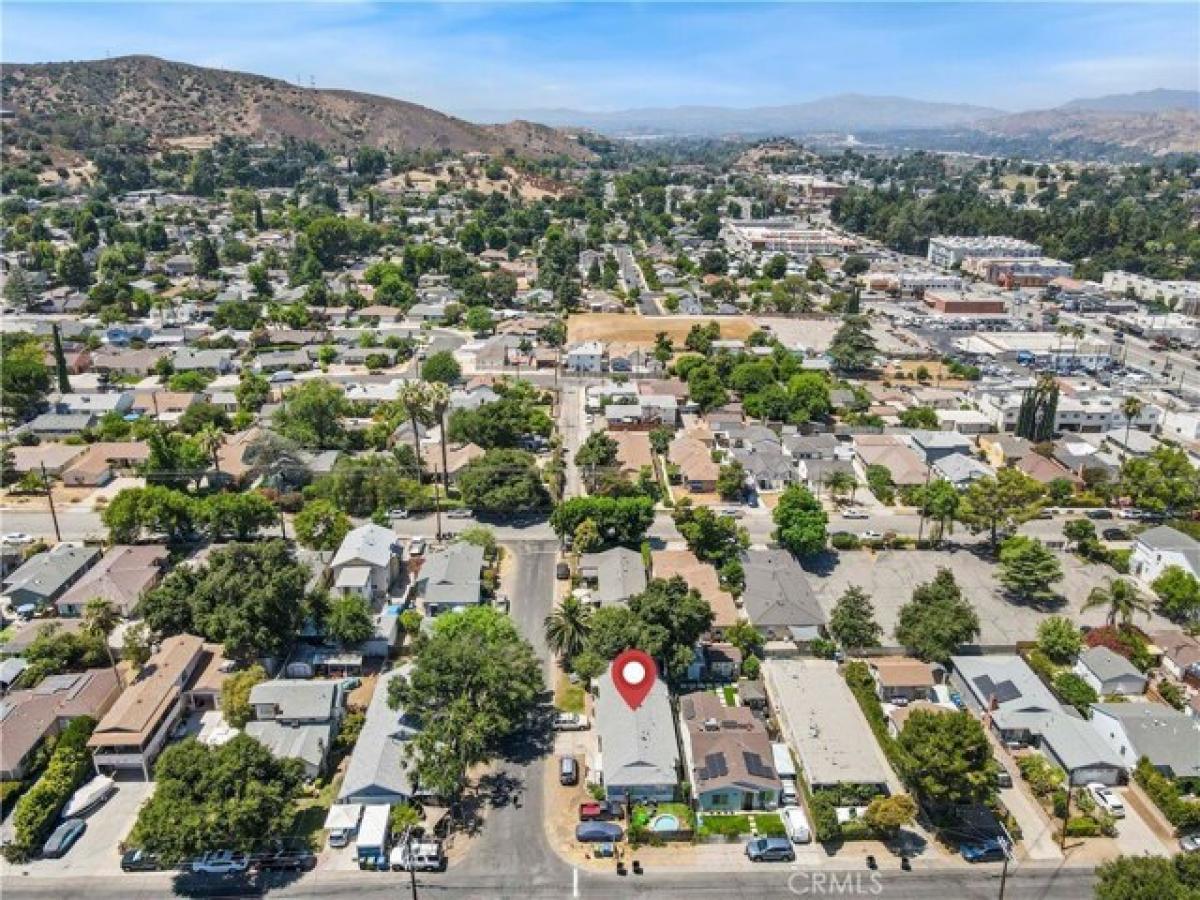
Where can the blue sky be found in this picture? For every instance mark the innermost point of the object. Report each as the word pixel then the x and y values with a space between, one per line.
pixel 602 56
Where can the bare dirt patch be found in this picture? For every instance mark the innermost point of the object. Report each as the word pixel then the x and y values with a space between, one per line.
pixel 641 330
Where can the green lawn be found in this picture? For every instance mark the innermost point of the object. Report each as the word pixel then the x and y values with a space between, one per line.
pixel 770 825
pixel 729 826
pixel 7 633
pixel 730 693
pixel 642 815
pixel 570 698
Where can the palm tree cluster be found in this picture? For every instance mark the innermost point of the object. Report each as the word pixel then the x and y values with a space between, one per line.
pixel 567 627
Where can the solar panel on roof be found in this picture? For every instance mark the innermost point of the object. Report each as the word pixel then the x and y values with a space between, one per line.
pixel 716 765
pixel 755 765
pixel 1006 691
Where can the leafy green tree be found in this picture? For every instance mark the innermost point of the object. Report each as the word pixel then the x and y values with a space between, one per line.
pixel 441 366
pixel 236 796
pixel 235 695
pixel 937 620
pixel 237 516
pixel 919 417
pixel 502 423
pixel 745 637
pixel 1178 593
pixel 852 348
pixel 731 480
pixel 312 414
pixel 712 537
pixel 887 815
pixel 1075 691
pixel 673 617
pixel 18 291
pixel 1079 531
pixel 72 270
pixel 473 683
pixel 1141 878
pixel 248 597
pixel 619 520
pixel 800 521
pixel 349 620
pixel 597 451
pixel 503 481
pixel 205 256
pixel 479 320
pixel 567 627
pixel 1006 500
pixel 24 377
pixel 1028 570
pixel 321 525
pixel 154 509
pixel 1164 481
pixel 949 758
pixel 1121 598
pixel 137 645
pixel 705 388
pixel 1059 638
pixel 852 621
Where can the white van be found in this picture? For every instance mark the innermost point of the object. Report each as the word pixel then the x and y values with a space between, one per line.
pixel 788 796
pixel 421 856
pixel 796 824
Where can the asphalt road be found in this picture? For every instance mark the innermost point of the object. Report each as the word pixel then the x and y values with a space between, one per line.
pixel 773 881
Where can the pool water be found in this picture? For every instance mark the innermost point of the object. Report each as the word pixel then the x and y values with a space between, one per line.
pixel 665 822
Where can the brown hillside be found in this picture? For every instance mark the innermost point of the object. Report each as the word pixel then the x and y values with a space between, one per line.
pixel 170 101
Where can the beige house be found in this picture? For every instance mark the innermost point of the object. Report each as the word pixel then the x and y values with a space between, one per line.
pixel 184 674
pixel 122 577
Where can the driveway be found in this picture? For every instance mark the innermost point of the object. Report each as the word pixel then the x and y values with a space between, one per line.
pixel 1135 834
pixel 95 853
pixel 890 576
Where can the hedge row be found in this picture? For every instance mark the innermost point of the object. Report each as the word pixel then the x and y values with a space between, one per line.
pixel 862 685
pixel 1180 811
pixel 37 811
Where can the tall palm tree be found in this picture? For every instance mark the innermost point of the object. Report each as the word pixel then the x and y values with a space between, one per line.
pixel 210 438
pixel 100 618
pixel 568 626
pixel 439 402
pixel 1121 598
pixel 1131 408
pixel 414 397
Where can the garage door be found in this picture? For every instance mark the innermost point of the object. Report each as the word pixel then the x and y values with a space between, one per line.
pixel 1103 775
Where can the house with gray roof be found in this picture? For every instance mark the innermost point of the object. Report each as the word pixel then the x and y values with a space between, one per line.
pixel 297 719
pixel 616 574
pixel 44 577
pixel 637 758
pixel 961 470
pixel 1074 746
pixel 367 563
pixel 1167 737
pixel 1109 673
pixel 379 769
pixel 191 359
pixel 449 578
pixel 934 445
pixel 778 599
pixel 55 425
pixel 1157 549
pixel 767 464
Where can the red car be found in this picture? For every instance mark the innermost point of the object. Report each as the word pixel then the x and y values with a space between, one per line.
pixel 596 811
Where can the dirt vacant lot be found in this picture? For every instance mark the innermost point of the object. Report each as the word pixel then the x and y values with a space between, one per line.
pixel 630 328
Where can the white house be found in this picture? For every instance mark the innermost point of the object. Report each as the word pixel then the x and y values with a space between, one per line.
pixel 367 563
pixel 1109 673
pixel 585 357
pixel 1160 548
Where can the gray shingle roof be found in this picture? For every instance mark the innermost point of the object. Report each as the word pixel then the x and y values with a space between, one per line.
pixel 639 744
pixel 777 594
pixel 1169 738
pixel 378 766
pixel 1106 665
pixel 368 543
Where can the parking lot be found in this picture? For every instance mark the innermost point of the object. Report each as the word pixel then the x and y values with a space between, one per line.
pixel 890 576
pixel 95 853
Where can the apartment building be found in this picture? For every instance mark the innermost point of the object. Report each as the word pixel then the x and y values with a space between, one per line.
pixel 950 251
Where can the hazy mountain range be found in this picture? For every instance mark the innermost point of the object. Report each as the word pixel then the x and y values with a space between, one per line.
pixel 1146 122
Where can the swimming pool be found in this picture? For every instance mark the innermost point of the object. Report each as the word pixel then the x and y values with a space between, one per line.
pixel 665 822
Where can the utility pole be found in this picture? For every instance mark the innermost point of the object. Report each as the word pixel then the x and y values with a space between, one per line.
pixel 1062 840
pixel 1007 847
pixel 50 498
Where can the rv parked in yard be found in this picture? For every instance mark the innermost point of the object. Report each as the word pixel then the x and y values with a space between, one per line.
pixel 371 847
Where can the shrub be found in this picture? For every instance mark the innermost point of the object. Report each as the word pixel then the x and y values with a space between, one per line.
pixel 1172 693
pixel 1083 826
pixel 37 811
pixel 825 820
pixel 1181 812
pixel 844 540
pixel 1075 691
pixel 1043 776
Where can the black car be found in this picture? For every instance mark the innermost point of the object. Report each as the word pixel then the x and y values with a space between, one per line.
pixel 287 860
pixel 139 861
pixel 1115 534
pixel 562 571
pixel 1099 514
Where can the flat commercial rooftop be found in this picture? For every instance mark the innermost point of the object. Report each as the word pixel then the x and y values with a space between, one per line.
pixel 821 719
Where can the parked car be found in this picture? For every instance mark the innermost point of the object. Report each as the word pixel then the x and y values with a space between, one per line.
pixel 63 838
pixel 1099 514
pixel 990 850
pixel 854 512
pixel 398 513
pixel 1129 514
pixel 1115 534
pixel 1107 799
pixel 419 856
pixel 957 700
pixel 568 770
pixel 139 861
pixel 562 571
pixel 287 861
pixel 16 539
pixel 1190 843
pixel 796 824
pixel 596 811
pixel 870 535
pixel 416 547
pixel 566 721
pixel 596 832
pixel 460 512
pixel 770 850
pixel 221 862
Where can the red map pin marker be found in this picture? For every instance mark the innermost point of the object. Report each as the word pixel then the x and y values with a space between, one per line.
pixel 633 675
